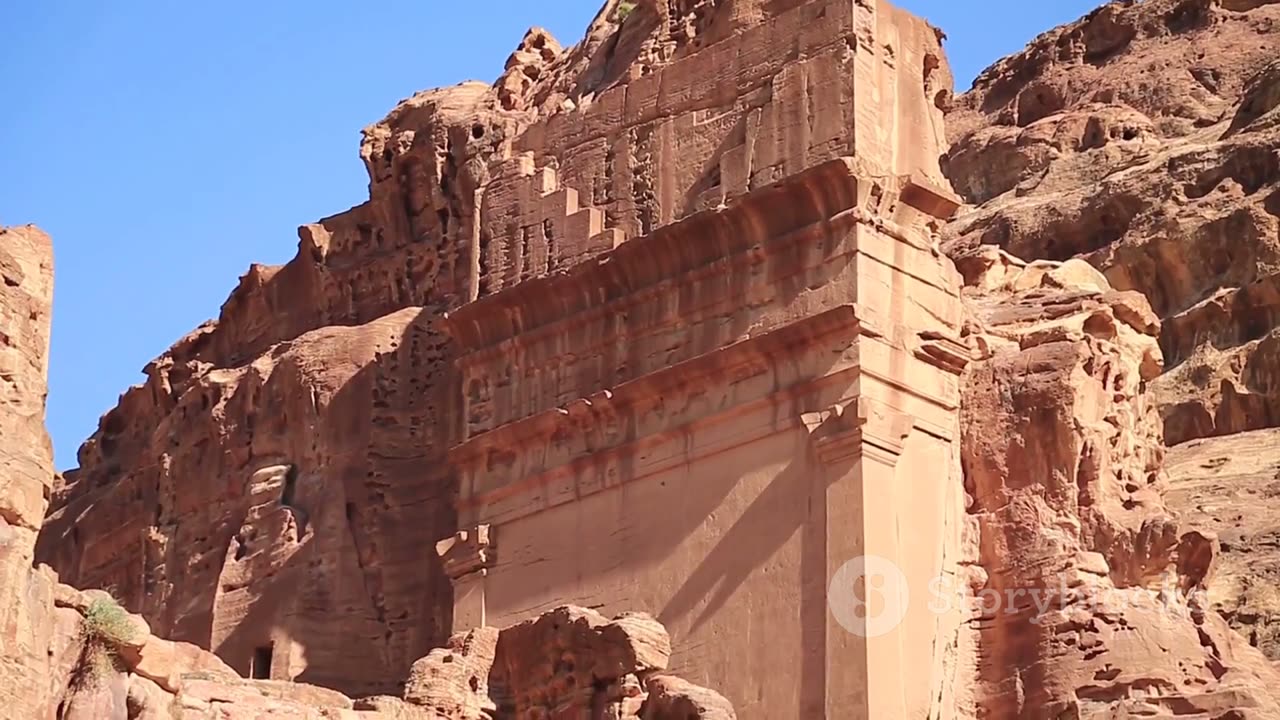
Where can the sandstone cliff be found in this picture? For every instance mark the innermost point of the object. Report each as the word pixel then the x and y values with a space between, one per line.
pixel 50 664
pixel 275 488
pixel 277 483
pixel 1227 487
pixel 1090 594
pixel 1143 139
pixel 26 465
pixel 71 655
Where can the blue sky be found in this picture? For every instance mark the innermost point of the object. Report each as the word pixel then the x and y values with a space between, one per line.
pixel 167 145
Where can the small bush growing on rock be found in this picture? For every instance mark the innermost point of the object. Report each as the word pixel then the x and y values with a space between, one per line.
pixel 625 8
pixel 97 663
pixel 106 622
pixel 103 629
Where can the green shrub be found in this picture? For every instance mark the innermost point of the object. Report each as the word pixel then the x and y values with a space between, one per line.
pixel 625 8
pixel 97 663
pixel 103 629
pixel 107 623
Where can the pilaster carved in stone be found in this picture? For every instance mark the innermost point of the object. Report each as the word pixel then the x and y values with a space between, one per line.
pixel 944 352
pixel 468 551
pixel 864 426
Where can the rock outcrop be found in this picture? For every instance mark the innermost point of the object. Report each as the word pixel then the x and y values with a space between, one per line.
pixel 1226 488
pixel 1143 139
pixel 67 655
pixel 28 627
pixel 271 508
pixel 72 655
pixel 690 268
pixel 276 484
pixel 1089 595
pixel 570 662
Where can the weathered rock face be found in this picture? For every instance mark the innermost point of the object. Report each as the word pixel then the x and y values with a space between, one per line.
pixel 53 664
pixel 291 528
pixel 1143 139
pixel 273 489
pixel 525 671
pixel 26 467
pixel 703 326
pixel 719 411
pixel 71 655
pixel 1088 592
pixel 270 490
pixel 570 662
pixel 1225 488
pixel 28 627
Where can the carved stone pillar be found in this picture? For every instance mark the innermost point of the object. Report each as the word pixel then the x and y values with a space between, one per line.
pixel 859 444
pixel 467 556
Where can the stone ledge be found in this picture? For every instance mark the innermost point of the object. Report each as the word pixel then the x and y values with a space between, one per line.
pixel 832 193
pixel 719 363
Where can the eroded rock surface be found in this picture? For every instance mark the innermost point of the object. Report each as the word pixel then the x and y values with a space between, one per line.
pixel 1144 139
pixel 28 626
pixel 54 664
pixel 269 511
pixel 274 487
pixel 26 462
pixel 1227 488
pixel 1089 591
pixel 72 655
pixel 569 662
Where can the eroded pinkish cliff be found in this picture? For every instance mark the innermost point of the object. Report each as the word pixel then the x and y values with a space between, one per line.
pixel 26 464
pixel 1101 610
pixel 669 320
pixel 72 655
pixel 328 381
pixel 1142 139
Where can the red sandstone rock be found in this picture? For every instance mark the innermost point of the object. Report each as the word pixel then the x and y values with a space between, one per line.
pixel 293 535
pixel 1086 584
pixel 26 467
pixel 50 668
pixel 1226 487
pixel 333 370
pixel 1143 138
pixel 34 640
pixel 454 680
pixel 570 662
pixel 105 699
pixel 774 387
pixel 54 667
pixel 673 698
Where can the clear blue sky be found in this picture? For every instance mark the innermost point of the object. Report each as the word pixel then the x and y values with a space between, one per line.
pixel 166 145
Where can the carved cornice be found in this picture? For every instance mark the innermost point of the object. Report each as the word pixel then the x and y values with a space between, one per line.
pixel 864 426
pixel 775 215
pixel 931 199
pixel 944 352
pixel 467 552
pixel 783 342
pixel 612 306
